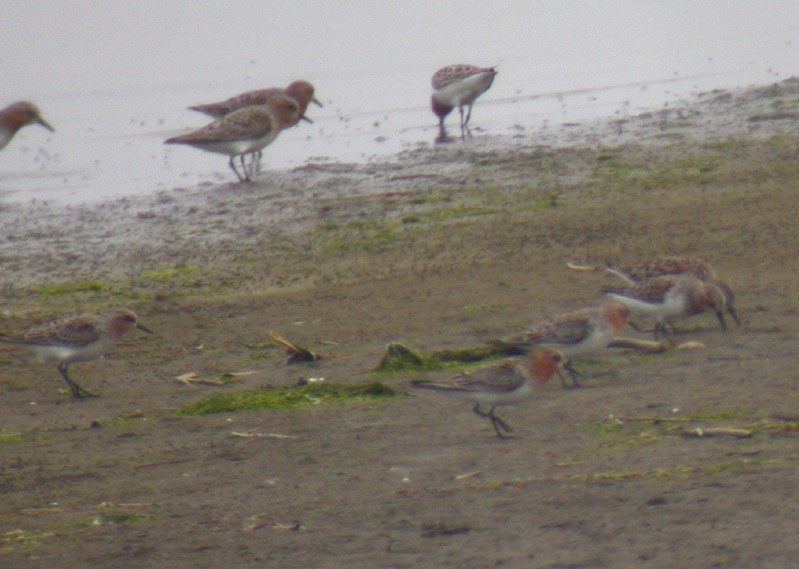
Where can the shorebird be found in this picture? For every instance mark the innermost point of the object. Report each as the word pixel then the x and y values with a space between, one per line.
pixel 672 296
pixel 77 338
pixel 574 334
pixel 17 115
pixel 300 91
pixel 507 382
pixel 634 274
pixel 458 86
pixel 245 131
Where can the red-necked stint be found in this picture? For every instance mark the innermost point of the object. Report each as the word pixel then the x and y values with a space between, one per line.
pixel 673 296
pixel 574 334
pixel 17 115
pixel 300 91
pixel 76 338
pixel 458 86
pixel 508 382
pixel 243 132
pixel 701 269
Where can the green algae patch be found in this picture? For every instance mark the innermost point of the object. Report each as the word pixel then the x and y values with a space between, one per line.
pixel 291 397
pixel 402 359
pixel 69 288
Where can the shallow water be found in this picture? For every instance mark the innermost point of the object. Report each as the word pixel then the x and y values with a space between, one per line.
pixel 115 78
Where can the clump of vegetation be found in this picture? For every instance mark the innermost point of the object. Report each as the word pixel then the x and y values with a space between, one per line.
pixel 68 288
pixel 290 397
pixel 402 359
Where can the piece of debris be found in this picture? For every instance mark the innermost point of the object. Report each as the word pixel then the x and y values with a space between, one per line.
pixel 642 345
pixel 691 346
pixel 436 529
pixel 468 475
pixel 191 378
pixel 296 354
pixel 249 435
pixel 718 432
pixel 575 267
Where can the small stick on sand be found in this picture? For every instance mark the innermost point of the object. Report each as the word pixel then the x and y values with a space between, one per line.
pixel 642 345
pixel 718 432
pixel 296 354
pixel 576 267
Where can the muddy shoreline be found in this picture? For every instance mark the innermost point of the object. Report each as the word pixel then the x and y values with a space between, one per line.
pixel 442 248
pixel 44 241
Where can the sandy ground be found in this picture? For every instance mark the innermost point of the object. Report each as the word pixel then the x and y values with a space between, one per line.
pixel 444 247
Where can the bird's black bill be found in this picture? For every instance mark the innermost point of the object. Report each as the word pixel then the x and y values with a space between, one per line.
pixel 144 328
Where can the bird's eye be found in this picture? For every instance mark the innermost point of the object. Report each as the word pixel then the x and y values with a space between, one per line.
pixel 556 357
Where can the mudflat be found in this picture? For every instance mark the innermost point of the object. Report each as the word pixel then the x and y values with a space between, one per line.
pixel 686 458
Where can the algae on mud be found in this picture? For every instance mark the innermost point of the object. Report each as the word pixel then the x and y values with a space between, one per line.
pixel 291 397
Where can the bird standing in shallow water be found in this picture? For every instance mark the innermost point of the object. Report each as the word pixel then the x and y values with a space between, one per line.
pixel 76 339
pixel 458 86
pixel 502 383
pixel 17 115
pixel 301 91
pixel 245 131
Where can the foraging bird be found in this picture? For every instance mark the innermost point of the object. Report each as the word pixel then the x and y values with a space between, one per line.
pixel 458 86
pixel 245 131
pixel 507 382
pixel 574 334
pixel 17 115
pixel 77 338
pixel 300 91
pixel 701 269
pixel 671 296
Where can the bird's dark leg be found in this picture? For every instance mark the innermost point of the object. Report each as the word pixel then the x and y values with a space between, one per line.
pixel 468 118
pixel 77 391
pixel 463 123
pixel 245 169
pixel 720 316
pixel 573 373
pixel 661 329
pixel 731 312
pixel 442 132
pixel 496 422
pixel 670 324
pixel 635 326
pixel 232 165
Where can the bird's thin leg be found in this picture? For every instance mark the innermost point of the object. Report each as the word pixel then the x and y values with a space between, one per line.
pixel 670 324
pixel 463 124
pixel 232 165
pixel 245 169
pixel 77 391
pixel 573 373
pixel 722 323
pixel 468 116
pixel 496 422
pixel 250 166
pixel 635 326
pixel 661 329
pixel 442 133
pixel 731 312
